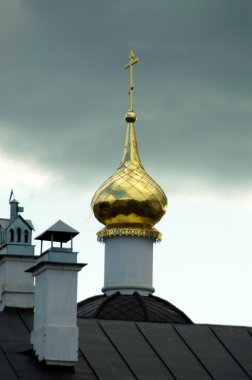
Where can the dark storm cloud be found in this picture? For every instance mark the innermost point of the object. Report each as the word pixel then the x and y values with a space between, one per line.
pixel 63 91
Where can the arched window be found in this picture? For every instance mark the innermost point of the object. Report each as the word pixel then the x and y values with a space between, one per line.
pixel 19 234
pixel 26 235
pixel 11 235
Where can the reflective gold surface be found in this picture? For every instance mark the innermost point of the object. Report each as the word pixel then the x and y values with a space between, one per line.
pixel 130 202
pixel 130 197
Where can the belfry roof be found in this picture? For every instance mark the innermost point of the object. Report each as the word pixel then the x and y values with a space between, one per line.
pixel 60 231
pixel 131 307
pixel 5 223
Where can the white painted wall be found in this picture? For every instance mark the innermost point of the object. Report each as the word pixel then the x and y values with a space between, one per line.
pixel 55 333
pixel 128 265
pixel 16 285
pixel 17 249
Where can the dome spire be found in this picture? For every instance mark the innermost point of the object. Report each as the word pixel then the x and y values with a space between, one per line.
pixel 130 115
pixel 130 151
pixel 129 202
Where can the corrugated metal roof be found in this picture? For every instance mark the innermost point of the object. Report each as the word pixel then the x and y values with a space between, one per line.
pixel 113 350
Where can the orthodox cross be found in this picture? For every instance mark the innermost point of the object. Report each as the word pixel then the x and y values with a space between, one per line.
pixel 132 61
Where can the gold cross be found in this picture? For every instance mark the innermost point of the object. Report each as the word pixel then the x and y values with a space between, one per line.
pixel 132 61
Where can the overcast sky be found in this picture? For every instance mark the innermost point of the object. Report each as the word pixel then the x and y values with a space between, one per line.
pixel 63 96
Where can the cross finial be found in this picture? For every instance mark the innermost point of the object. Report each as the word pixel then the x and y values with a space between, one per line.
pixel 132 61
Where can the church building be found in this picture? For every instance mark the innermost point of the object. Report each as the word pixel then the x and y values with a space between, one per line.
pixel 126 332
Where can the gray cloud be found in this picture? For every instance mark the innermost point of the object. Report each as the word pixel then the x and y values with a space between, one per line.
pixel 63 92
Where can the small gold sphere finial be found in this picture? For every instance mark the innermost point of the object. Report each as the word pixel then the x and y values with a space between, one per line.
pixel 130 117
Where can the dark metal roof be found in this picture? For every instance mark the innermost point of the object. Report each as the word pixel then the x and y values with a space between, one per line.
pixel 17 360
pixel 113 350
pixel 5 223
pixel 60 231
pixel 132 307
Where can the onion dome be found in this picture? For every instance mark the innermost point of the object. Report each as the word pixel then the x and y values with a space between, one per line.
pixel 131 307
pixel 130 199
pixel 129 202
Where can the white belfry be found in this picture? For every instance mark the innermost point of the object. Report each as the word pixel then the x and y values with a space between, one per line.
pixel 16 255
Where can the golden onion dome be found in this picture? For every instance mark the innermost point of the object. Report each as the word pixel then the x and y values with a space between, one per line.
pixel 129 202
pixel 130 197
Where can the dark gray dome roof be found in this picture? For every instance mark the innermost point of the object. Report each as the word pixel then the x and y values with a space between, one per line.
pixel 132 307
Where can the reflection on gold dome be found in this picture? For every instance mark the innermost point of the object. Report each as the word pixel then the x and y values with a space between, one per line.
pixel 130 197
pixel 130 202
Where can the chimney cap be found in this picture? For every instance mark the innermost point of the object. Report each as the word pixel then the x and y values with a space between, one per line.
pixel 58 232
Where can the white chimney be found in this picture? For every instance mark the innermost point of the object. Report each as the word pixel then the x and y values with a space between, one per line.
pixel 55 332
